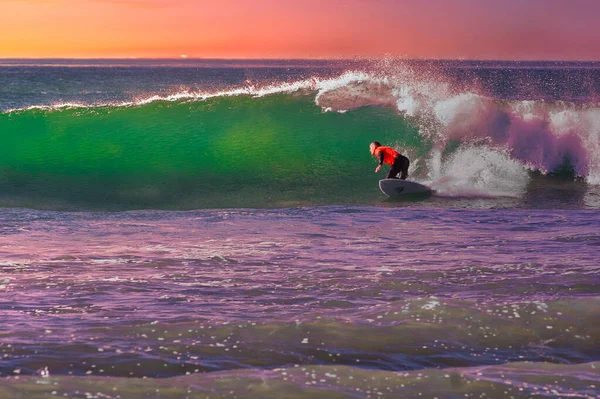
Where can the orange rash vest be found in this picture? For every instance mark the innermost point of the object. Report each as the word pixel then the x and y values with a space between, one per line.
pixel 389 154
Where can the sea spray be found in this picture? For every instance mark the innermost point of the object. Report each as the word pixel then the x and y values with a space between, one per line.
pixel 480 172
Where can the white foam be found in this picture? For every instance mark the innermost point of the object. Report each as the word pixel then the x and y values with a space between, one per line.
pixel 536 134
pixel 479 172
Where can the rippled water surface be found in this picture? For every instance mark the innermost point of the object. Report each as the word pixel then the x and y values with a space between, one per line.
pixel 371 292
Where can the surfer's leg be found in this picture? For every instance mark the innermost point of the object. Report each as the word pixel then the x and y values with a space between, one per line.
pixel 405 164
pixel 394 170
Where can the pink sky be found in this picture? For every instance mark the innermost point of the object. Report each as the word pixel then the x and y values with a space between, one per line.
pixel 472 29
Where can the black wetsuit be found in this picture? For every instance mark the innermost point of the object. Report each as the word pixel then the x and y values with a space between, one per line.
pixel 400 165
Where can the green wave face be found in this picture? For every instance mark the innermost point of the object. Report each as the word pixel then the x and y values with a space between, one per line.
pixel 223 152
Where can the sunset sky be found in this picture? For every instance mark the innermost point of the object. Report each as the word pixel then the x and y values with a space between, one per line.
pixel 471 29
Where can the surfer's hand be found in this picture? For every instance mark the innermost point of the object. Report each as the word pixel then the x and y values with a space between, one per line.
pixel 378 169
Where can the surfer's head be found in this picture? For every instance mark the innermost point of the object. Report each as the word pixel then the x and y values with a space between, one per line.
pixel 374 145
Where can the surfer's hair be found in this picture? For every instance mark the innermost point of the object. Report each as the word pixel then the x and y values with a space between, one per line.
pixel 376 144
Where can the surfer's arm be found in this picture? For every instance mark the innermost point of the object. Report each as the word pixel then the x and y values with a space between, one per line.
pixel 380 156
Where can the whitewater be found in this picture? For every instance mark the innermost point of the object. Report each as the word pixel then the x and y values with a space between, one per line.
pixel 214 228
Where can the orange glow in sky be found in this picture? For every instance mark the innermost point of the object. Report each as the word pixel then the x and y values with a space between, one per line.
pixel 472 29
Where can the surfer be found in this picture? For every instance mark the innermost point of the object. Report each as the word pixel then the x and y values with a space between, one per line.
pixel 398 162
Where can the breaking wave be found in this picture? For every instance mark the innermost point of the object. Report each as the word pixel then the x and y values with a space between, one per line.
pixel 288 143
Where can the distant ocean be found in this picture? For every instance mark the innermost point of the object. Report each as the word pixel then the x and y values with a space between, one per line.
pixel 214 229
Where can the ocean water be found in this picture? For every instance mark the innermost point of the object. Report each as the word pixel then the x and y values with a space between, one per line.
pixel 214 229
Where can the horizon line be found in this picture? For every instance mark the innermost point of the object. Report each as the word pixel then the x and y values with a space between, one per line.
pixel 354 58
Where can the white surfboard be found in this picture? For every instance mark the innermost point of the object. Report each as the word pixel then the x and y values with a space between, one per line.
pixel 397 187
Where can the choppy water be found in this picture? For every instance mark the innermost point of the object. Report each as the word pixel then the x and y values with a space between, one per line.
pixel 191 245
